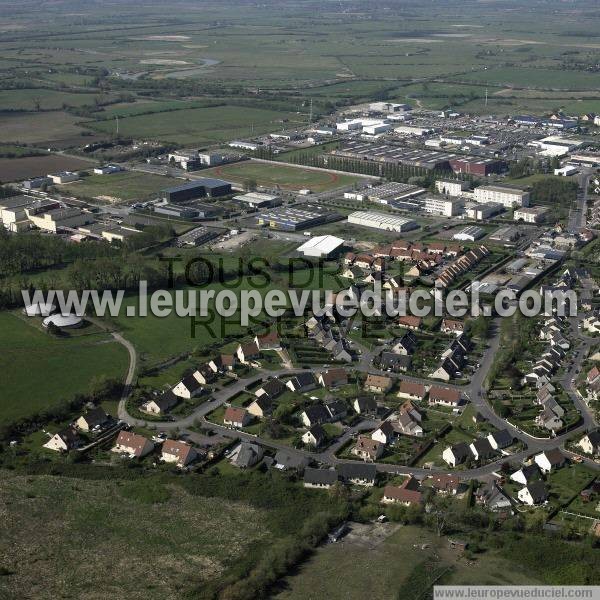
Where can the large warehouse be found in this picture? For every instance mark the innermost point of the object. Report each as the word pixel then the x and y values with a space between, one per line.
pixel 198 188
pixel 382 221
pixel 293 219
pixel 476 165
pixel 321 246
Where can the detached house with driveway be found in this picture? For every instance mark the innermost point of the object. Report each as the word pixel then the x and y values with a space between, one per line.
pixel 63 441
pixel 457 454
pixel 177 452
pixel 367 448
pixel 550 460
pixel 132 444
pixel 236 417
pixel 590 443
pixel 188 387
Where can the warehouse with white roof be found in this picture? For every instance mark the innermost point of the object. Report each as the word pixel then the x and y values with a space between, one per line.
pixel 321 246
pixel 382 221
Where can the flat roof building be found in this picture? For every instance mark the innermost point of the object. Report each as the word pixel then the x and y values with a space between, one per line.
pixel 293 219
pixel 198 188
pixel 476 165
pixel 451 187
pixel 531 214
pixel 258 200
pixel 505 195
pixel 383 221
pixel 481 212
pixel 446 207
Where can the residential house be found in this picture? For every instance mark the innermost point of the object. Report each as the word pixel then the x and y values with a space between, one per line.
pixel 159 405
pixel 410 322
pixel 407 344
pixel 188 387
pixel 388 361
pixel 408 424
pixel 378 383
pixel 272 389
pixel 320 478
pixel 409 493
pixel 445 484
pixel 549 460
pixel 315 436
pixel 481 449
pixel 92 419
pixel 180 453
pixel 222 363
pixel 444 396
pixel 533 494
pixel 365 405
pixel 526 474
pixel 63 441
pixel 132 444
pixel 315 414
pixel 303 382
pixel 363 261
pixel 493 497
pixel 337 410
pixel 333 378
pixel 246 353
pixel 386 433
pixel 412 391
pixel 246 455
pixel 500 439
pixel 261 407
pixel 204 374
pixel 457 454
pixel 290 461
pixel 268 341
pixel 357 474
pixel 367 448
pixel 590 443
pixel 452 326
pixel 236 417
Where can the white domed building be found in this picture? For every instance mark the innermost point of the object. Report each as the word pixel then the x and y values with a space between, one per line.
pixel 65 321
pixel 40 309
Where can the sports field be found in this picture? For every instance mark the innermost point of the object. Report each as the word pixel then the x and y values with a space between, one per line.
pixel 287 177
pixel 130 185
pixel 39 370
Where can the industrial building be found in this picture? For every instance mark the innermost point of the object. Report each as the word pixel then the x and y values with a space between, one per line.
pixel 389 107
pixel 383 221
pixel 258 200
pixel 446 207
pixel 532 214
pixel 243 145
pixel 58 219
pixel 36 183
pixel 198 188
pixel 475 165
pixel 64 177
pixel 481 212
pixel 387 192
pixel 555 145
pixel 393 154
pixel 197 236
pixel 412 130
pixel 322 246
pixel 469 234
pixel 506 234
pixel 451 187
pixel 107 169
pixel 294 219
pixel 505 195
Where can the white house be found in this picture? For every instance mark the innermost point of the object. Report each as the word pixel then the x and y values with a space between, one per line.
pixel 549 460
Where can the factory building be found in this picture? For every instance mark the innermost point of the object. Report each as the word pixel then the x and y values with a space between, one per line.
pixel 413 130
pixel 258 200
pixel 451 187
pixel 36 183
pixel 469 234
pixel 58 219
pixel 294 219
pixel 481 212
pixel 532 214
pixel 505 195
pixel 506 234
pixel 64 177
pixel 322 246
pixel 446 207
pixel 475 165
pixel 198 188
pixel 243 145
pixel 388 107
pixel 383 221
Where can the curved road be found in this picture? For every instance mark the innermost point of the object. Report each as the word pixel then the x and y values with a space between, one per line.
pixel 474 391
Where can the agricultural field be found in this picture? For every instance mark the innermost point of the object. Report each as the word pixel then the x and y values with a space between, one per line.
pixel 44 99
pixel 45 369
pixel 198 125
pixel 118 526
pixel 16 169
pixel 42 127
pixel 337 571
pixel 281 176
pixel 127 186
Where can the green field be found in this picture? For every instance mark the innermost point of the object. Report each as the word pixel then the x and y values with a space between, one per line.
pixel 357 568
pixel 198 125
pixel 118 526
pixel 282 176
pixel 44 99
pixel 39 370
pixel 31 128
pixel 128 186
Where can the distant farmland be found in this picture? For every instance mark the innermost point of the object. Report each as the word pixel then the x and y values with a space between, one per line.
pixel 16 169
